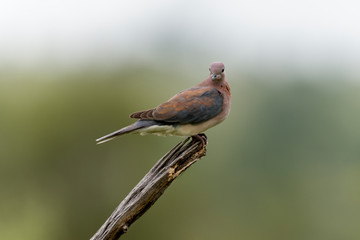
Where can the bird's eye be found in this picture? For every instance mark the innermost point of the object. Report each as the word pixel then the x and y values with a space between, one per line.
pixel 222 70
pixel 209 70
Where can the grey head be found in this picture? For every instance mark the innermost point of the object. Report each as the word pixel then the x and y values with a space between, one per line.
pixel 217 71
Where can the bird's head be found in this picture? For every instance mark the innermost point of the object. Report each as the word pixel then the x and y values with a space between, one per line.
pixel 217 71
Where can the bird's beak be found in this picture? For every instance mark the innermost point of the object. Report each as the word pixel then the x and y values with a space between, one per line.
pixel 213 76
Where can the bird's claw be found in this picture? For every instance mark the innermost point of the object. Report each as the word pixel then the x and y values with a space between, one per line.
pixel 200 137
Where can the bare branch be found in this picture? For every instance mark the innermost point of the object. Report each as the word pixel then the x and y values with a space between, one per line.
pixel 150 188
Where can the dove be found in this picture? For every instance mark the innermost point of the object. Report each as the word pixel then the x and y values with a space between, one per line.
pixel 189 113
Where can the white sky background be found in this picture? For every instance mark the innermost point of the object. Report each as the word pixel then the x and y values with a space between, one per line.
pixel 309 35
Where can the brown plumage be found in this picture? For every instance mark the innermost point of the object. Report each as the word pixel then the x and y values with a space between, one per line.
pixel 188 113
pixel 148 114
pixel 181 107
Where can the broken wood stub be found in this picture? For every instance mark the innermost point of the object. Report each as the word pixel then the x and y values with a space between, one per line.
pixel 150 188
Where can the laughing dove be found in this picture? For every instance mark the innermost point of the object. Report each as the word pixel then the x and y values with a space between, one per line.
pixel 188 113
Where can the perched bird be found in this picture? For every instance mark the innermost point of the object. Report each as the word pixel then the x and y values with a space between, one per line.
pixel 188 113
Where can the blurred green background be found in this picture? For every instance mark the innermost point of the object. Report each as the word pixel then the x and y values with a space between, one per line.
pixel 284 165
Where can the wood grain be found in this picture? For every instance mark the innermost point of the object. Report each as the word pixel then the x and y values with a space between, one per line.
pixel 151 187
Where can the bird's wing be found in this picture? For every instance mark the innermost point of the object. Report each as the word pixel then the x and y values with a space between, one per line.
pixel 194 105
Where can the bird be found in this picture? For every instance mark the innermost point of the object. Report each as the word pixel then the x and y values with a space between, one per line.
pixel 189 113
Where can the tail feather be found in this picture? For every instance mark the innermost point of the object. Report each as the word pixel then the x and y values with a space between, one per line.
pixel 117 133
pixel 128 129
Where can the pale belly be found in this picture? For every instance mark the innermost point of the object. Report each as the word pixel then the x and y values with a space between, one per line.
pixel 180 130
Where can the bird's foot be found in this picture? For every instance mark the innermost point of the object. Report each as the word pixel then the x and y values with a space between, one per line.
pixel 200 137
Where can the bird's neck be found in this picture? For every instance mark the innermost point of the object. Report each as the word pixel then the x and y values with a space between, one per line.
pixel 221 85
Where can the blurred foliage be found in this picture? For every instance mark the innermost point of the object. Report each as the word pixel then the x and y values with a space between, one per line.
pixel 285 165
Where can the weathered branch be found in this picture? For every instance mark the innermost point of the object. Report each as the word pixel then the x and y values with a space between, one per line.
pixel 150 188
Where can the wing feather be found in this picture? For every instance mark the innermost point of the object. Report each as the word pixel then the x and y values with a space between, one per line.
pixel 194 105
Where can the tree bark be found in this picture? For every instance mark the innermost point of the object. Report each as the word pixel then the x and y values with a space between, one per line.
pixel 151 187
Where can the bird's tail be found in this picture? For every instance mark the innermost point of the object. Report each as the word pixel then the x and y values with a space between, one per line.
pixel 128 129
